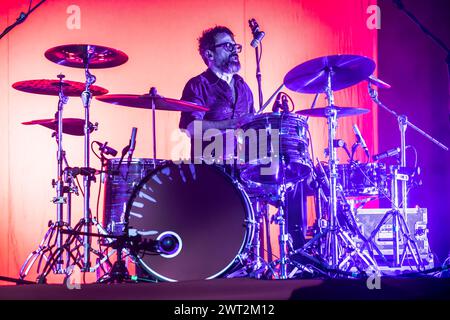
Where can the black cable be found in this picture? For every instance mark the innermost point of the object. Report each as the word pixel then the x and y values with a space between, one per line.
pixel 260 52
pixel 93 151
pixel 103 164
pixel 22 17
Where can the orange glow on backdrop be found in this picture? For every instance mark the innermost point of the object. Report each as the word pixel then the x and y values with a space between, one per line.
pixel 159 36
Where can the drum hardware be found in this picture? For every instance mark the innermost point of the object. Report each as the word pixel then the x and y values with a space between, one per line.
pixel 285 244
pixel 257 265
pixel 79 56
pixel 86 56
pixel 398 211
pixel 270 99
pixel 53 240
pixel 129 242
pixel 326 75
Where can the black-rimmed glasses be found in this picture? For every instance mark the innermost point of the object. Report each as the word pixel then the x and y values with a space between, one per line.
pixel 230 47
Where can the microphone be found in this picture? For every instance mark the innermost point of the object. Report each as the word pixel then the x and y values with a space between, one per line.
pixel 132 144
pixel 360 139
pixel 277 104
pixel 258 35
pixel 386 154
pixel 107 150
pixel 284 104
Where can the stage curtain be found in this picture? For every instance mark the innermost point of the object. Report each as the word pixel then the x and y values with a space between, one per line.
pixel 159 36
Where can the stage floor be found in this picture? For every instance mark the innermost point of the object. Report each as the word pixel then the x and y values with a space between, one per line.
pixel 241 289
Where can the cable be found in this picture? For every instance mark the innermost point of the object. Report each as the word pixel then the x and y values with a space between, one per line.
pixel 260 52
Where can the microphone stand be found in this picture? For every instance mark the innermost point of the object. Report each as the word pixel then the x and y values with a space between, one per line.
pixel 22 17
pixel 270 99
pixel 399 220
pixel 439 42
pixel 153 95
pixel 258 75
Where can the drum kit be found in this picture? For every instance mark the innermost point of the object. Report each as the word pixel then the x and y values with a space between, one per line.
pixel 180 221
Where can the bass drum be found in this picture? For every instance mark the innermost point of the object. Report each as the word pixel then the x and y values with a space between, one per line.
pixel 205 209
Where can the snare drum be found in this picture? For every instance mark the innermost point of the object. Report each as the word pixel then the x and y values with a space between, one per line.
pixel 119 185
pixel 205 209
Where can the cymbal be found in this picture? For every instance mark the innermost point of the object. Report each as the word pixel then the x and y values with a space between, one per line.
pixel 341 112
pixel 77 55
pixel 145 102
pixel 51 87
pixel 312 76
pixel 72 126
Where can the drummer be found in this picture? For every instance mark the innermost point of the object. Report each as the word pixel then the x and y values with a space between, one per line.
pixel 219 88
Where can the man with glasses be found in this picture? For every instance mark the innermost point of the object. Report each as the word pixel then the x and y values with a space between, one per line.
pixel 220 88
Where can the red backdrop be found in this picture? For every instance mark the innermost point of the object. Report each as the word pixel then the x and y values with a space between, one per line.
pixel 159 37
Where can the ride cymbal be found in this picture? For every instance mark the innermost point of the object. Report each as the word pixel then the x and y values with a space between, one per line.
pixel 312 76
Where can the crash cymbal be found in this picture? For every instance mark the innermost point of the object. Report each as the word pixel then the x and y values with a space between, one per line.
pixel 145 102
pixel 77 55
pixel 341 112
pixel 72 126
pixel 312 76
pixel 51 87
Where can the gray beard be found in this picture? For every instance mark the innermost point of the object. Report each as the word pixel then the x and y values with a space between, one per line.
pixel 230 67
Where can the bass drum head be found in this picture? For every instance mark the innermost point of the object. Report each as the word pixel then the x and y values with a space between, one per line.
pixel 204 208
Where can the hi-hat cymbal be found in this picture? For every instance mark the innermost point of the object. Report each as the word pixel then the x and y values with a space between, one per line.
pixel 51 87
pixel 72 126
pixel 312 76
pixel 145 102
pixel 80 55
pixel 341 112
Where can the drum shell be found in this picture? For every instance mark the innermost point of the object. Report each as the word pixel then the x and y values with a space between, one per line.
pixel 119 184
pixel 293 156
pixel 368 179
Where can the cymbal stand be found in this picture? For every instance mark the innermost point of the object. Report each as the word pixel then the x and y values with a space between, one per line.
pixel 54 237
pixel 86 97
pixel 339 247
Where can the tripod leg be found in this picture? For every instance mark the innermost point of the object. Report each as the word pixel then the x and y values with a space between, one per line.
pixel 409 243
